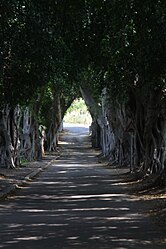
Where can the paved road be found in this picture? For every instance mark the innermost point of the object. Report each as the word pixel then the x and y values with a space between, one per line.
pixel 77 203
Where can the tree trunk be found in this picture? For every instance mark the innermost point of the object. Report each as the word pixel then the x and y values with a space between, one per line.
pixel 96 114
pixel 6 148
pixel 27 136
pixel 56 120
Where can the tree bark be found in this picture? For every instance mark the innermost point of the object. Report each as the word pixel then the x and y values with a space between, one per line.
pixel 97 119
pixel 154 134
pixel 6 148
pixel 56 119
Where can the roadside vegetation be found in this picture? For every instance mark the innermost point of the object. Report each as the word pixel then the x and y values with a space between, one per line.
pixel 78 113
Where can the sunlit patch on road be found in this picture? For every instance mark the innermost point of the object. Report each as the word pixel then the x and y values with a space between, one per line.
pixel 77 203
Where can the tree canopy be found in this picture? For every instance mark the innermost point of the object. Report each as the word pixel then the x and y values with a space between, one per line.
pixel 49 50
pixel 47 41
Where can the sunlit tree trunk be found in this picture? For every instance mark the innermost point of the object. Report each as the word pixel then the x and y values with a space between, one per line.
pixel 13 130
pixel 6 148
pixel 27 135
pixel 56 119
pixel 96 114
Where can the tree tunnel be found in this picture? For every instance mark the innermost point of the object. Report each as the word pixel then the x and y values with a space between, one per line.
pixel 54 53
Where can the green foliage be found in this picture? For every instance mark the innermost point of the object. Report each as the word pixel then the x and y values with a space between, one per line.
pixel 32 53
pixel 115 44
pixel 78 113
pixel 77 105
pixel 46 106
pixel 49 49
pixel 133 43
pixel 23 58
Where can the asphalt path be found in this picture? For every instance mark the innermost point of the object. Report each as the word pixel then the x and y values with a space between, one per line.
pixel 77 203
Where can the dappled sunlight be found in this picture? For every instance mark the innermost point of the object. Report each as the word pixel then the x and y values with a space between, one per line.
pixel 29 238
pixel 77 219
pixel 77 204
pixel 62 223
pixel 63 142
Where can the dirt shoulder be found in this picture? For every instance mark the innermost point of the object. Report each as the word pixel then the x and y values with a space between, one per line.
pixel 11 179
pixel 150 189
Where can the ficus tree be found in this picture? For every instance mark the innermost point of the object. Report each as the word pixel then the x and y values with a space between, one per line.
pixel 113 49
pixel 133 43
